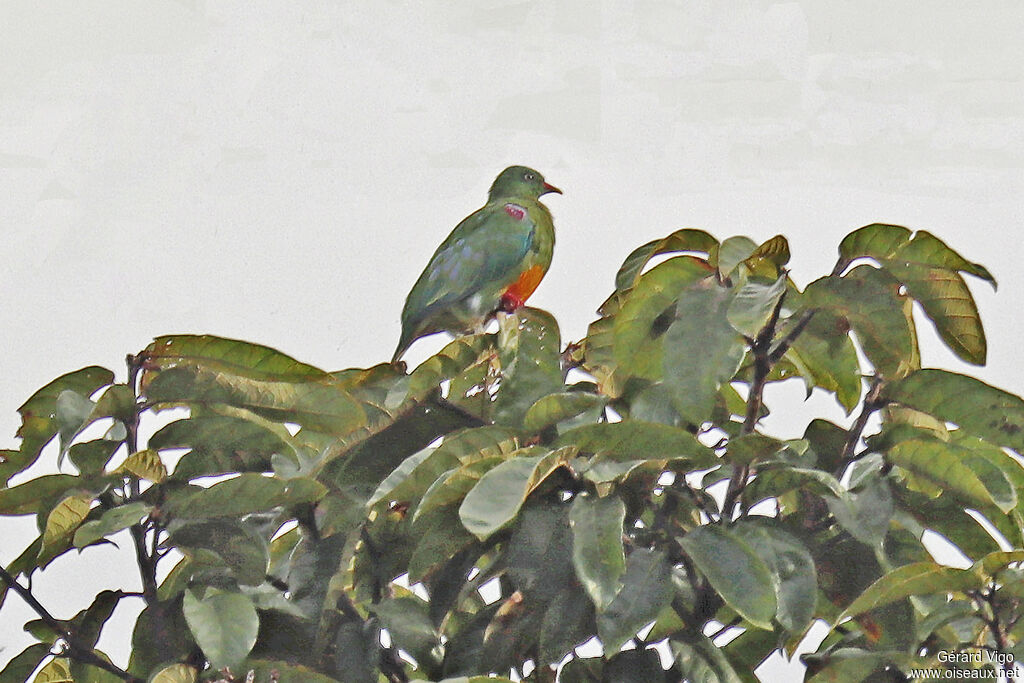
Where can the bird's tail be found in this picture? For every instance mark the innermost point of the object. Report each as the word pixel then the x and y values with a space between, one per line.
pixel 403 345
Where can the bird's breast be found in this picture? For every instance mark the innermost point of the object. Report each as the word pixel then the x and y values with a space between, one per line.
pixel 525 284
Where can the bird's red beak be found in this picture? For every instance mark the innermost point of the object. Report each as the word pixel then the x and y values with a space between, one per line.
pixel 548 187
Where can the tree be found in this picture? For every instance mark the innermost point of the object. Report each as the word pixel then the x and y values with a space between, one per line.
pixel 510 498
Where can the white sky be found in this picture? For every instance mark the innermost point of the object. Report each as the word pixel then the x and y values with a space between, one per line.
pixel 280 172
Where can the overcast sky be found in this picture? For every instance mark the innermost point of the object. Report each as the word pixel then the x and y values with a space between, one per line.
pixel 281 172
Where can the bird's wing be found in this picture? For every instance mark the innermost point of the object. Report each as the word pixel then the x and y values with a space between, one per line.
pixel 487 246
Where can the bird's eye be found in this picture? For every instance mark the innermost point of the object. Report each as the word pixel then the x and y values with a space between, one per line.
pixel 529 176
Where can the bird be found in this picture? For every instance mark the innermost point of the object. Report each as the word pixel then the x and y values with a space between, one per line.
pixel 492 261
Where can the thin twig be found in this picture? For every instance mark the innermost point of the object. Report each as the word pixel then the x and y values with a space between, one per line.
pixel 76 649
pixel 993 624
pixel 780 349
pixel 755 401
pixel 872 402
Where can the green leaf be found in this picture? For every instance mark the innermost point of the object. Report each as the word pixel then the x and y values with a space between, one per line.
pixel 869 300
pixel 57 670
pixel 408 621
pixel 880 242
pixel 582 670
pixel 176 673
pixel 792 566
pixel 71 411
pixel 25 499
pixel 777 480
pixel 918 578
pixel 597 552
pixel 232 544
pixel 320 406
pixel 774 250
pixel 61 524
pixel 632 439
pixel 995 562
pixel 981 409
pixel 224 625
pixel 686 239
pixel 23 664
pixel 568 622
pixel 947 466
pixel 245 494
pixel 634 666
pixel 735 570
pixel 747 448
pixel 282 672
pixel 161 635
pixel 453 486
pixel 866 511
pixel 562 407
pixel 497 497
pixel 949 304
pixel 648 309
pixel 452 361
pixel 90 457
pixel 420 471
pixel 930 270
pixel 732 252
pixel 75 412
pixel 596 352
pixel 228 355
pixel 88 624
pixel 415 474
pixel 825 356
pixel 38 413
pixel 220 444
pixel 877 241
pixel 700 659
pixel 529 350
pixel 539 551
pixel 850 665
pixel 646 589
pixel 440 536
pixel 752 306
pixel 113 520
pixel 144 465
pixel 702 350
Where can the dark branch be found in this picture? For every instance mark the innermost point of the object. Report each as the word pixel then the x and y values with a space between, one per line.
pixel 76 649
pixel 780 349
pixel 872 402
pixel 755 400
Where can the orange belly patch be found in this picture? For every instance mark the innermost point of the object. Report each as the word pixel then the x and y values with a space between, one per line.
pixel 519 291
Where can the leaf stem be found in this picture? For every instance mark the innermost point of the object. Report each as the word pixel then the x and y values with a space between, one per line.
pixel 76 649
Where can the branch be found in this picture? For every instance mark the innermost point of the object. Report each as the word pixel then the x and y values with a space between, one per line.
pixel 993 624
pixel 77 650
pixel 780 349
pixel 755 399
pixel 872 402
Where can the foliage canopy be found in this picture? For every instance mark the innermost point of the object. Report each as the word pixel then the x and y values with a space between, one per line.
pixel 512 498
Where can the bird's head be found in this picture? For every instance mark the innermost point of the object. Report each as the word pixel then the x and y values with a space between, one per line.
pixel 522 182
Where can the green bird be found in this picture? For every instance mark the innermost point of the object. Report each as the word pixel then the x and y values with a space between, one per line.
pixel 492 261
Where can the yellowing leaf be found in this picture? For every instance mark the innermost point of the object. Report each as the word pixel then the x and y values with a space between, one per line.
pixel 144 465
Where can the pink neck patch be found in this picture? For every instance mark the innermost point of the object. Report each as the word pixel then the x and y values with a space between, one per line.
pixel 515 211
